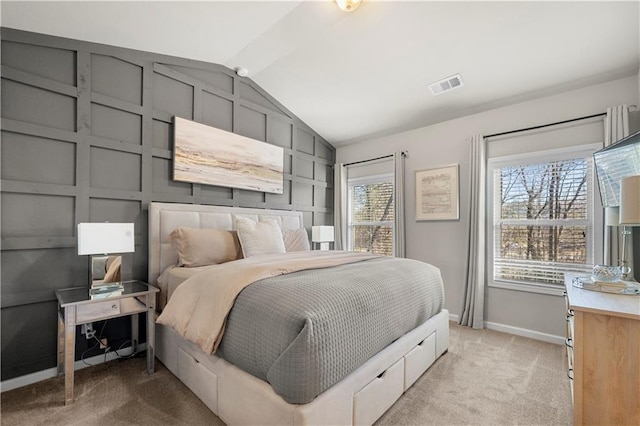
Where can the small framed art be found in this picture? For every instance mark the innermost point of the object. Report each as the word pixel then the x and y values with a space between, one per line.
pixel 437 193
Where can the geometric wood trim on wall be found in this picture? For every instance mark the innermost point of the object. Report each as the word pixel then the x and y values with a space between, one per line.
pixel 89 137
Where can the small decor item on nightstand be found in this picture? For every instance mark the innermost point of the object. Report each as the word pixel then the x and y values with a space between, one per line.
pixel 607 273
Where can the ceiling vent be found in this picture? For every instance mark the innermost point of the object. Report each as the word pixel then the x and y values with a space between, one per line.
pixel 446 84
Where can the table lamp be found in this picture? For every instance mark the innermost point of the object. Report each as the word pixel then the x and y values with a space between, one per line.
pixel 323 235
pixel 629 216
pixel 104 242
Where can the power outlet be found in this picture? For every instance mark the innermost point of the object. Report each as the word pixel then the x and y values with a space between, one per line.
pixel 88 331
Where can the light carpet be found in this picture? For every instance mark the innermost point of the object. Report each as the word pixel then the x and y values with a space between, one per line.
pixel 486 378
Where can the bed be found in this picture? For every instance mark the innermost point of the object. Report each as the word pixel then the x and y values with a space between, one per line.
pixel 238 397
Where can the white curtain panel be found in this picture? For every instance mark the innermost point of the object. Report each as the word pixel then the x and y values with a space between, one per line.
pixel 616 127
pixel 399 177
pixel 340 206
pixel 472 313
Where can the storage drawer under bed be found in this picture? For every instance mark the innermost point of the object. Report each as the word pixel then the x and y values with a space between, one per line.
pixel 370 402
pixel 199 379
pixel 418 359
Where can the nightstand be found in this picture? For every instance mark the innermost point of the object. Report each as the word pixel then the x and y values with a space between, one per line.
pixel 77 306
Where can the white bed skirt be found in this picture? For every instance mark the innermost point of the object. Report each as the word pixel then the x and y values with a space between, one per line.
pixel 239 398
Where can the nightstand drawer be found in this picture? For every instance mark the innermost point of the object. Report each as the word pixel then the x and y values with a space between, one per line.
pixel 92 311
pixel 96 311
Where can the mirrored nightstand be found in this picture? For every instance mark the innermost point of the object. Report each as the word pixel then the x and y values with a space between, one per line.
pixel 79 305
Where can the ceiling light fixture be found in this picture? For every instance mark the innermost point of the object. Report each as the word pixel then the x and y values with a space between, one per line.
pixel 348 5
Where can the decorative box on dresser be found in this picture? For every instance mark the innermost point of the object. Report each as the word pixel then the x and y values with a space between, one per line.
pixel 603 350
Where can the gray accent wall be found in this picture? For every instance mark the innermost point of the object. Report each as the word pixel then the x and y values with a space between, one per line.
pixel 87 137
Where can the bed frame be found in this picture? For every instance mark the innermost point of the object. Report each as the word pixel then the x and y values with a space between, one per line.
pixel 240 398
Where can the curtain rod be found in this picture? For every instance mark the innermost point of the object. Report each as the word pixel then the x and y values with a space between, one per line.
pixel 546 125
pixel 366 161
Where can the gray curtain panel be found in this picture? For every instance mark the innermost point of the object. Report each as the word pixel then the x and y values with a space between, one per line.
pixel 399 177
pixel 472 312
pixel 340 206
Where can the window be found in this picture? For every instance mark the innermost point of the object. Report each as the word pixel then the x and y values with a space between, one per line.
pixel 542 217
pixel 370 215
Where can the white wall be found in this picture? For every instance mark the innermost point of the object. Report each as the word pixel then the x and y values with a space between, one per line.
pixel 444 243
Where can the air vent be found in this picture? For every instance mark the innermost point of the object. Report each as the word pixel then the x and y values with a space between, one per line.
pixel 446 84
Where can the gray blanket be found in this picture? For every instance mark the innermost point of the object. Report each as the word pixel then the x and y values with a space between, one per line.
pixel 305 331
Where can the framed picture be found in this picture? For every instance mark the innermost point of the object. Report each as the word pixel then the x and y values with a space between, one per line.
pixel 211 156
pixel 437 194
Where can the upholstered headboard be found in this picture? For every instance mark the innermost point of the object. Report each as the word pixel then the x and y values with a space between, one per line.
pixel 165 217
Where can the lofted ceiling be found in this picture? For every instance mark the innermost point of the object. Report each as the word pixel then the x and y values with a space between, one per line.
pixel 351 76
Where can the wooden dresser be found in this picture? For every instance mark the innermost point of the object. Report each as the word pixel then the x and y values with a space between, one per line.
pixel 603 350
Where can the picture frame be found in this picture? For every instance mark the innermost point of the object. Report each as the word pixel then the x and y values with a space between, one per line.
pixel 438 193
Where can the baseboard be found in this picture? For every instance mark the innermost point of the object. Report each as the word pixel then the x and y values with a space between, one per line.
pixel 49 373
pixel 532 334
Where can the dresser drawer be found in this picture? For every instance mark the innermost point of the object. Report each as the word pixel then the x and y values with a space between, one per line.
pixel 375 398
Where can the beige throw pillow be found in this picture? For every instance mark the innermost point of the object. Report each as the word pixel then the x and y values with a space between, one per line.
pixel 202 246
pixel 258 238
pixel 296 240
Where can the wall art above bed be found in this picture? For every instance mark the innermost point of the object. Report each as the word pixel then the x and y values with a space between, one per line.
pixel 204 154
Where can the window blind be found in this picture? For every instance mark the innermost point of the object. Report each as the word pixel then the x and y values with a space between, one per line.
pixel 542 219
pixel 371 214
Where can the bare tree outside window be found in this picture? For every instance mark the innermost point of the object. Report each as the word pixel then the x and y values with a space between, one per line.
pixel 371 217
pixel 542 221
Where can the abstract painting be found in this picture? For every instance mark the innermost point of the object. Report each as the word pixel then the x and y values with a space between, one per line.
pixel 204 154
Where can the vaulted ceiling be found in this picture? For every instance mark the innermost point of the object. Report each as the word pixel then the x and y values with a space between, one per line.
pixel 354 75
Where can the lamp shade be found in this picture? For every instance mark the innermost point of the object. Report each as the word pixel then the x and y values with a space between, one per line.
pixel 104 238
pixel 612 216
pixel 630 200
pixel 322 234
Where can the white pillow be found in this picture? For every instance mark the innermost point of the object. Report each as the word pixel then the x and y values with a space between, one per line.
pixel 296 240
pixel 257 238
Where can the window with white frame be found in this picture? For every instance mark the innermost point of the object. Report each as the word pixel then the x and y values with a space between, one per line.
pixel 542 217
pixel 370 217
